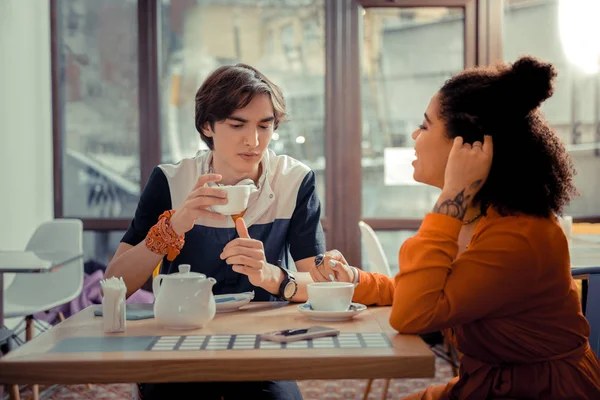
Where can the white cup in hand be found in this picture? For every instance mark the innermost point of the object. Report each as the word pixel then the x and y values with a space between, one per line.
pixel 237 199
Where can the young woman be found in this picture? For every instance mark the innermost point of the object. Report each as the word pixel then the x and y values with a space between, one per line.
pixel 490 264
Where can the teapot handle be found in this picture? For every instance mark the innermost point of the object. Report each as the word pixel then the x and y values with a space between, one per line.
pixel 156 284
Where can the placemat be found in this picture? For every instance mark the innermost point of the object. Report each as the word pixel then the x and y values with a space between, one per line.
pixel 215 342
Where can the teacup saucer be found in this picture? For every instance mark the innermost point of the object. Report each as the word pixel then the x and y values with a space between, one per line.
pixel 331 316
pixel 232 302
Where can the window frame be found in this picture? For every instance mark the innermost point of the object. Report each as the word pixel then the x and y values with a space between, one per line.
pixel 343 153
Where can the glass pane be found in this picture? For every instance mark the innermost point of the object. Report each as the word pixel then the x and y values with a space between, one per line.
pixel 284 40
pixel 391 241
pixel 99 94
pixel 407 54
pixel 100 247
pixel 534 27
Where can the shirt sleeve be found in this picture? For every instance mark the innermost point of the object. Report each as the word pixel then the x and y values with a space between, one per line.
pixel 374 289
pixel 305 234
pixel 155 199
pixel 434 291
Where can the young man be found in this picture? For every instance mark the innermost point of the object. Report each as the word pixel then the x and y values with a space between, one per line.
pixel 237 111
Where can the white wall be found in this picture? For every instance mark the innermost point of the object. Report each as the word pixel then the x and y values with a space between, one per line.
pixel 25 120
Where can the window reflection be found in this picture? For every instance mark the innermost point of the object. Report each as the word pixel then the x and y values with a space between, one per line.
pixel 100 246
pixel 98 72
pixel 407 54
pixel 391 241
pixel 532 27
pixel 283 39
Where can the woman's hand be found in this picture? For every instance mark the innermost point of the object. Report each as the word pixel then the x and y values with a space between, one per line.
pixel 335 266
pixel 197 204
pixel 466 171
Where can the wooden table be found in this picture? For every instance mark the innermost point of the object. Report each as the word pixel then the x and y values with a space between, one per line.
pixel 409 356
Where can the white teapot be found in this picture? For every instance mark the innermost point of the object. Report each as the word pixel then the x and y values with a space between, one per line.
pixel 184 300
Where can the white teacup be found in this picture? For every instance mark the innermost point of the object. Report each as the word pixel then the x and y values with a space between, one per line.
pixel 330 296
pixel 237 199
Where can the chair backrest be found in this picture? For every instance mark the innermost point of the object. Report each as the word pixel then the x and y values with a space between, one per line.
pixel 592 303
pixel 377 260
pixel 62 285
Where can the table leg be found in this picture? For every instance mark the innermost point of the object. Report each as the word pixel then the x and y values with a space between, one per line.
pixel 2 333
pixel 14 393
pixel 1 300
pixel 5 334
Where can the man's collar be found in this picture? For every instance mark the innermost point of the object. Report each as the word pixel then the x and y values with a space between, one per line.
pixel 205 158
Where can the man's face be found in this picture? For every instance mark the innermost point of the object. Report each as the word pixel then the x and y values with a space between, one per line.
pixel 240 141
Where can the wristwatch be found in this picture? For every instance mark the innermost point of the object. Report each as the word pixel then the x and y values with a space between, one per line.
pixel 289 286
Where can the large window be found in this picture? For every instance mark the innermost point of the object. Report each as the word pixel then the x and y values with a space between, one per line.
pixel 534 27
pixel 357 76
pixel 284 40
pixel 407 55
pixel 98 87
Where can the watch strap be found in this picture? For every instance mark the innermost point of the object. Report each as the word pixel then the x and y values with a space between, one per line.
pixel 287 278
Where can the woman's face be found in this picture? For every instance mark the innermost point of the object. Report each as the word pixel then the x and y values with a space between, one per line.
pixel 432 147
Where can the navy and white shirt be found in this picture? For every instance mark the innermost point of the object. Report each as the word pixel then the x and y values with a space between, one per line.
pixel 284 214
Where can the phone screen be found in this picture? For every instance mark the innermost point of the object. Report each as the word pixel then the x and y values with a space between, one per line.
pixel 292 335
pixel 292 332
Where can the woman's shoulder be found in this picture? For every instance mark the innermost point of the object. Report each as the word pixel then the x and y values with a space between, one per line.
pixel 528 225
pixel 541 235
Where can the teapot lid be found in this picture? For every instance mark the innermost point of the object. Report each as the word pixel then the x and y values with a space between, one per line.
pixel 184 272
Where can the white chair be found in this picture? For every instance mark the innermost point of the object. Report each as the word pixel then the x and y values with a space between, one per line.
pixel 32 293
pixel 377 263
pixel 376 257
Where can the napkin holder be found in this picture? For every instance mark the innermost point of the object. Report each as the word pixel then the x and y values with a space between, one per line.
pixel 113 305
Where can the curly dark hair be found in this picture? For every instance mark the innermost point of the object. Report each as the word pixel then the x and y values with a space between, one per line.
pixel 531 172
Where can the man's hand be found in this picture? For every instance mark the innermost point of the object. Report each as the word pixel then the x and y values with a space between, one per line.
pixel 197 204
pixel 247 256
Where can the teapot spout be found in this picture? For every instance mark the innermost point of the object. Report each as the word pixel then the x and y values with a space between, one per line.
pixel 205 291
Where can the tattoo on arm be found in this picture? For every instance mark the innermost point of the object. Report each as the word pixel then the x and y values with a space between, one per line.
pixel 456 207
pixel 476 184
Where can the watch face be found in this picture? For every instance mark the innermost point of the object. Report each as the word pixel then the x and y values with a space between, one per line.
pixel 289 290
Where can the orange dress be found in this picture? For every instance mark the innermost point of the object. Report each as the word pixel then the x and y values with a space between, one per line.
pixel 509 300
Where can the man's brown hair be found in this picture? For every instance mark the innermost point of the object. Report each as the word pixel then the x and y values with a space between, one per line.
pixel 229 88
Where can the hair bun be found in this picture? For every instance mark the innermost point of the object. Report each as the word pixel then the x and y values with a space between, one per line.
pixel 530 81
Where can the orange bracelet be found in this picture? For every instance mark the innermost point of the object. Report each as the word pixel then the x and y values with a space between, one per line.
pixel 162 239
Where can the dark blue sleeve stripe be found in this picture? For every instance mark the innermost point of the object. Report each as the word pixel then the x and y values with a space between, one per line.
pixel 155 199
pixel 305 234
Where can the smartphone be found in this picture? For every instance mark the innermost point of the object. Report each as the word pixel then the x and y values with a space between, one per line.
pixel 293 335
